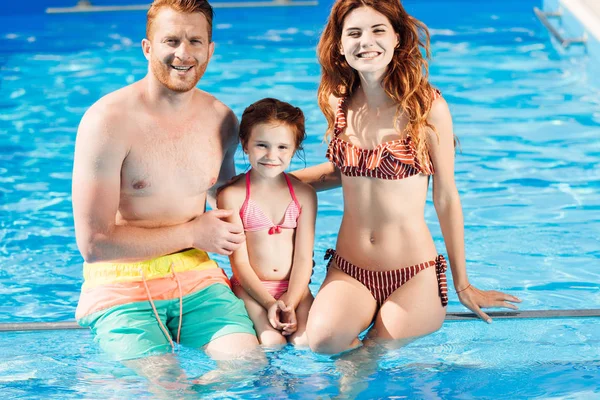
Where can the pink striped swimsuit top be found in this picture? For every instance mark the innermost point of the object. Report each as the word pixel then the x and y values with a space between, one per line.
pixel 254 219
pixel 396 159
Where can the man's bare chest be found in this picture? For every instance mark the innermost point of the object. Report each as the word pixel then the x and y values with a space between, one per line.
pixel 182 164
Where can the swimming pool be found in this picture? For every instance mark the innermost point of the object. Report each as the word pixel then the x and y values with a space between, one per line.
pixel 528 120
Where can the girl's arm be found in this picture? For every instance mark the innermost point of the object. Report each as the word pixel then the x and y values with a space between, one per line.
pixel 447 205
pixel 231 198
pixel 321 177
pixel 303 246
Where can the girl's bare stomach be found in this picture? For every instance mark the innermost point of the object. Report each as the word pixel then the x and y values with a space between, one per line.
pixel 271 256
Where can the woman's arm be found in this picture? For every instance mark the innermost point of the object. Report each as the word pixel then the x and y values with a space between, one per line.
pixel 231 198
pixel 445 195
pixel 449 210
pixel 321 177
pixel 302 264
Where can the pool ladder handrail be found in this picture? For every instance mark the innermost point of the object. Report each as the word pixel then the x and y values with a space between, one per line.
pixel 87 6
pixel 564 42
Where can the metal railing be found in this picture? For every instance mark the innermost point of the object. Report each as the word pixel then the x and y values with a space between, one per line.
pixel 451 316
pixel 87 6
pixel 564 42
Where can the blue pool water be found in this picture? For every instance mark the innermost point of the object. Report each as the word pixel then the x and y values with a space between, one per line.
pixel 529 122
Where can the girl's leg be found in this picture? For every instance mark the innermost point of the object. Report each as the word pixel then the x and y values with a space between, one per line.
pixel 342 309
pixel 299 338
pixel 267 335
pixel 413 310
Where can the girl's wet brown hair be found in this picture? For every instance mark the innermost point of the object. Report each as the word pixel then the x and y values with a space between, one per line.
pixel 405 80
pixel 272 111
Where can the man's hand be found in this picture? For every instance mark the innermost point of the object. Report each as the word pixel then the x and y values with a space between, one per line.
pixel 212 234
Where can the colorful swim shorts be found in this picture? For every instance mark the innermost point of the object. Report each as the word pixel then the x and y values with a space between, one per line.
pixel 134 309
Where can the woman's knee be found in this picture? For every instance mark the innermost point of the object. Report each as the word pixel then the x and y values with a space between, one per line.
pixel 404 329
pixel 324 338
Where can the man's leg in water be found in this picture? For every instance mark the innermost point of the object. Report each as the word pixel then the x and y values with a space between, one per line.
pixel 216 321
pixel 131 333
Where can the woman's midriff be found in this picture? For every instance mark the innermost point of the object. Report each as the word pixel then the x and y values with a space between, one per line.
pixel 384 227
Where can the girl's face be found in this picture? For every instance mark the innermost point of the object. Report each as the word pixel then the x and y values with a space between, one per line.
pixel 270 148
pixel 368 40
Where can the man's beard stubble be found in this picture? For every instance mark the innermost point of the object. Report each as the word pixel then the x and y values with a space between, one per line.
pixel 162 72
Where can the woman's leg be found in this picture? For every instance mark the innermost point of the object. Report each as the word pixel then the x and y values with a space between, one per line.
pixel 299 338
pixel 267 335
pixel 413 310
pixel 342 309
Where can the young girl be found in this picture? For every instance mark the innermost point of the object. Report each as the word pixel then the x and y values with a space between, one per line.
pixel 272 270
pixel 391 131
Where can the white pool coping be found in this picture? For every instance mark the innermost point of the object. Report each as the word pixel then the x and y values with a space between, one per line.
pixel 87 6
pixel 588 12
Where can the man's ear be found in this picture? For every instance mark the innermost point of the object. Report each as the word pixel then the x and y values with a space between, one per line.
pixel 211 50
pixel 146 48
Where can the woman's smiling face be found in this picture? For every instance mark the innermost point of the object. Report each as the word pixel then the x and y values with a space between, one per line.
pixel 368 40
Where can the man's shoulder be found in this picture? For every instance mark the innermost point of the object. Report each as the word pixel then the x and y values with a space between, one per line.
pixel 221 116
pixel 112 106
pixel 215 105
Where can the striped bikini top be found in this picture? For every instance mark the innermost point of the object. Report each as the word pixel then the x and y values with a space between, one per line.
pixel 395 159
pixel 254 218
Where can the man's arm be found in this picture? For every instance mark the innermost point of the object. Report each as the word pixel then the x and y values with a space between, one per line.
pixel 99 154
pixel 229 132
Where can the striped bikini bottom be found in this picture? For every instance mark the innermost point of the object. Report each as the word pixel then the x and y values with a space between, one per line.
pixel 382 284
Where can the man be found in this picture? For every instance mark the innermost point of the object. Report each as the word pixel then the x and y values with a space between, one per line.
pixel 147 158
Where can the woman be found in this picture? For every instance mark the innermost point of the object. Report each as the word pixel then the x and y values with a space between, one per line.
pixel 390 132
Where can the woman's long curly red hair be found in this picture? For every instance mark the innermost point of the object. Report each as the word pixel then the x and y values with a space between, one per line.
pixel 405 80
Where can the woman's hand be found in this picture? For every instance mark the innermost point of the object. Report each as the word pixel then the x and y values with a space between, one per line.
pixel 475 299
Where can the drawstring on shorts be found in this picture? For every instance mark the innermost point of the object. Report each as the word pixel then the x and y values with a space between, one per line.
pixel 161 325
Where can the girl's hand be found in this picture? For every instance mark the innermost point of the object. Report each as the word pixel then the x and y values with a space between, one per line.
pixel 288 318
pixel 475 299
pixel 290 324
pixel 275 314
